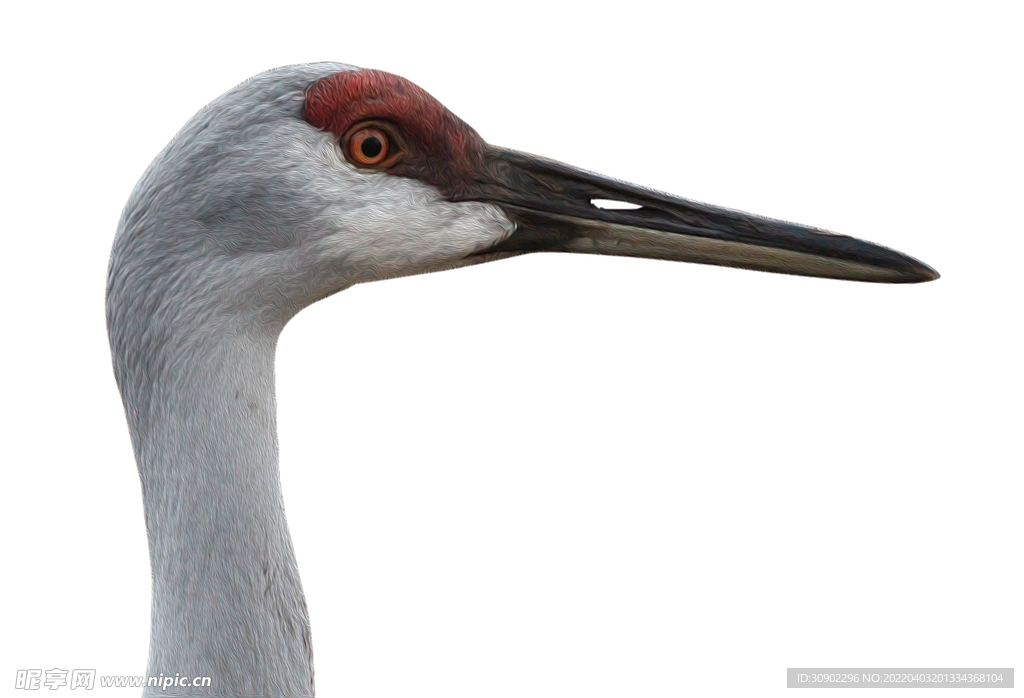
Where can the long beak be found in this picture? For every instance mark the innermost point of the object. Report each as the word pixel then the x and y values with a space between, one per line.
pixel 552 206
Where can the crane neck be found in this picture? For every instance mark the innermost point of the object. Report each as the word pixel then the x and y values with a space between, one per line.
pixel 227 599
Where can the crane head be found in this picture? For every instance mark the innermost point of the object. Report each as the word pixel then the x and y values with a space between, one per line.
pixel 305 180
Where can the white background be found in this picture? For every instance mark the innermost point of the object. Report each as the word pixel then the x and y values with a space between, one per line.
pixel 565 475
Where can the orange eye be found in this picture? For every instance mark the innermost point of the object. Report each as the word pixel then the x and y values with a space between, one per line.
pixel 368 146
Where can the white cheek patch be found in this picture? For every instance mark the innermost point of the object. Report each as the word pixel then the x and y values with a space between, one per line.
pixel 383 226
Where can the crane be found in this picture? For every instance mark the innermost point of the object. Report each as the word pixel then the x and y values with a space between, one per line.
pixel 297 184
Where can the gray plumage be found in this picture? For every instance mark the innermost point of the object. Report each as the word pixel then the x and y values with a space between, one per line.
pixel 247 216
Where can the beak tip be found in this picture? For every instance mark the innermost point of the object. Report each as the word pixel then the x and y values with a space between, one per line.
pixel 923 273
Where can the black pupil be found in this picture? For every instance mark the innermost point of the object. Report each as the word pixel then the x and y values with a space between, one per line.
pixel 371 147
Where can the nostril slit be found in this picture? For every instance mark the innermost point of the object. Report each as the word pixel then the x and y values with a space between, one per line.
pixel 613 205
